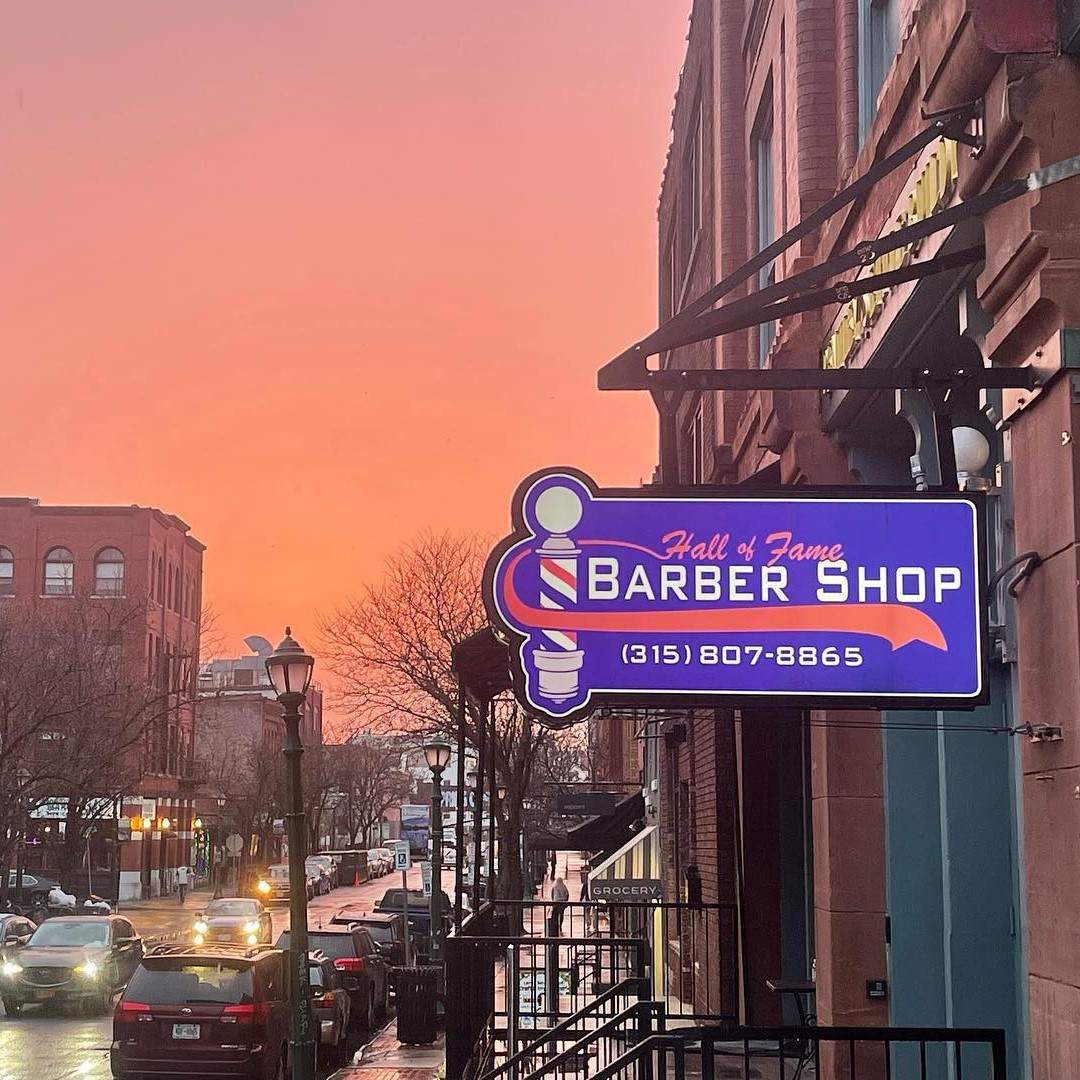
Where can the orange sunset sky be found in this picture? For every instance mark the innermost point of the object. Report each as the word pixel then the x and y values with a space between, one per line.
pixel 317 276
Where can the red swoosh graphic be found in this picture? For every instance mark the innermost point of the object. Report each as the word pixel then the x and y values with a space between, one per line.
pixel 896 623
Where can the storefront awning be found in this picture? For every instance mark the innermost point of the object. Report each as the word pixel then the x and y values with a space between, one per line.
pixel 631 874
pixel 482 662
pixel 607 833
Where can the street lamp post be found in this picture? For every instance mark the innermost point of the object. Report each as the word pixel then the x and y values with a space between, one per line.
pixel 215 868
pixel 289 668
pixel 437 755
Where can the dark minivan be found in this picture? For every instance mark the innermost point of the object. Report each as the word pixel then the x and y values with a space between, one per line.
pixel 352 866
pixel 206 1010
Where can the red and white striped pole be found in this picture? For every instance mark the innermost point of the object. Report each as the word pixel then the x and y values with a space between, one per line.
pixel 558 659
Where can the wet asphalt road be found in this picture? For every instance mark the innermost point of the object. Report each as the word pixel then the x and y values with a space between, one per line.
pixel 53 1044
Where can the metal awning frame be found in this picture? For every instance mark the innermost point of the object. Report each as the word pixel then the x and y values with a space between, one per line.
pixel 701 321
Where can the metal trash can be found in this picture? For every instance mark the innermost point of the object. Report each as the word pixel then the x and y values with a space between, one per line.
pixel 418 1015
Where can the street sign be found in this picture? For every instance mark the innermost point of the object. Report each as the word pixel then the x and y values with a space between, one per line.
pixel 279 826
pixel 402 856
pixel 234 844
pixel 425 874
pixel 585 803
pixel 843 597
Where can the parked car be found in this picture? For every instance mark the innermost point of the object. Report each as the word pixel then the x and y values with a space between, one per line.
pixel 387 857
pixel 319 875
pixel 233 918
pixel 82 959
pixel 375 863
pixel 35 889
pixel 419 909
pixel 331 1008
pixel 202 1010
pixel 274 884
pixel 354 953
pixel 388 933
pixel 329 865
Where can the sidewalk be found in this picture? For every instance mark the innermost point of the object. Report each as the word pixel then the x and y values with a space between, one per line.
pixel 384 1058
pixel 163 918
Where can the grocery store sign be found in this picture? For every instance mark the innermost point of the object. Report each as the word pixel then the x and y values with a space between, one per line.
pixel 705 596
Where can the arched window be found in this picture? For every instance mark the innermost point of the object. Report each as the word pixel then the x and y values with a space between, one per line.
pixel 59 573
pixel 109 572
pixel 161 580
pixel 7 572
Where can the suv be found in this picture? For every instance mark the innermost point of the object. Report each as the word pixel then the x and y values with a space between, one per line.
pixel 393 902
pixel 354 953
pixel 386 930
pixel 83 959
pixel 218 1010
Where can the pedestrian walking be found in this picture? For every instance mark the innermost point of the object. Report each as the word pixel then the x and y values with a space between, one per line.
pixel 560 896
pixel 183 875
pixel 553 859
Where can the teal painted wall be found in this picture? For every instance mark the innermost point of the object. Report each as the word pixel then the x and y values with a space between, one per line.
pixel 952 883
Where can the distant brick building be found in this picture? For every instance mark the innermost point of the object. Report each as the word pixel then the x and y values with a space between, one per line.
pixel 237 718
pixel 51 553
pixel 934 858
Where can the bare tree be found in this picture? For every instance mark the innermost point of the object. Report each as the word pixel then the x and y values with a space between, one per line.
pixel 78 714
pixel 370 781
pixel 391 652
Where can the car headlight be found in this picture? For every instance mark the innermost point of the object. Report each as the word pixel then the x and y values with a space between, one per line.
pixel 263 886
pixel 252 926
pixel 11 969
pixel 89 969
pixel 201 927
pixel 198 939
pixel 253 939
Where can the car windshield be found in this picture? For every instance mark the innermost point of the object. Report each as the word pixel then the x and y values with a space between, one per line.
pixel 185 983
pixel 334 945
pixel 380 931
pixel 70 934
pixel 279 873
pixel 233 907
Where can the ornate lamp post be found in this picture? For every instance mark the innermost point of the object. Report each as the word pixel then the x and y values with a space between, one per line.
pixel 437 755
pixel 289 668
pixel 215 868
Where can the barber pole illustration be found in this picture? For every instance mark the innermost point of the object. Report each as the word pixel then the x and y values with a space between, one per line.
pixel 558 659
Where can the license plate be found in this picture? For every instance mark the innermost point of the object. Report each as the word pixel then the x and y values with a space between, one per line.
pixel 185 1031
pixel 43 995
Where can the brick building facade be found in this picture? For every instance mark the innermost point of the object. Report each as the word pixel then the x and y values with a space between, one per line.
pixel 49 554
pixel 914 847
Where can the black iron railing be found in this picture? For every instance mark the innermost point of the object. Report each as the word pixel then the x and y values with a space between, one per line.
pixel 839 1053
pixel 538 975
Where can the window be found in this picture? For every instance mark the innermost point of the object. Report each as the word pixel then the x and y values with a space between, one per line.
pixel 109 572
pixel 161 580
pixel 59 573
pixel 763 157
pixel 695 174
pixel 7 572
pixel 879 33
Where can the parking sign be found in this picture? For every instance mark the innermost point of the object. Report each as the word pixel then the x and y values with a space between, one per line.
pixel 402 857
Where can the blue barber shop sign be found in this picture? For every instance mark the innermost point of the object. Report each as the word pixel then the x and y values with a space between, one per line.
pixel 703 596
